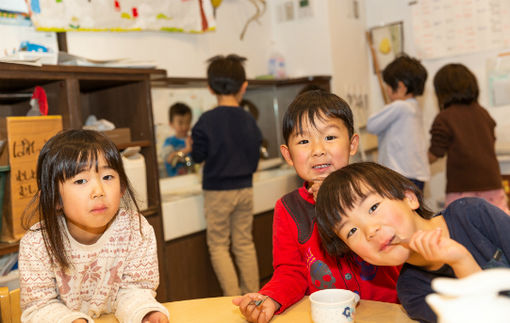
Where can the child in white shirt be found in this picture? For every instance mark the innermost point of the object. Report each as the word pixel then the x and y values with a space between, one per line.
pixel 399 125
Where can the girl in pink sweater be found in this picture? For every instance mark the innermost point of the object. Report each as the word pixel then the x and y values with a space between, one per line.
pixel 87 255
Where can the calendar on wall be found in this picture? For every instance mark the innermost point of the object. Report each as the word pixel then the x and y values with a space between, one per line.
pixel 122 15
pixel 443 28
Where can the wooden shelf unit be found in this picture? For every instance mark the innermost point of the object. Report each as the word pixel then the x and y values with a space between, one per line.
pixel 120 95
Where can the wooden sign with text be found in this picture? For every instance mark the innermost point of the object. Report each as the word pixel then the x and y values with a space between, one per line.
pixel 25 136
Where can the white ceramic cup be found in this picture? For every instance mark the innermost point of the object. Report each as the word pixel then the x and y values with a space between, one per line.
pixel 333 306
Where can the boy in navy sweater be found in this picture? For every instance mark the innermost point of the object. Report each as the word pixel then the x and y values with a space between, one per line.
pixel 228 140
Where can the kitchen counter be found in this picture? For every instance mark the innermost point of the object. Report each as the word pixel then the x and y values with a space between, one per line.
pixel 182 197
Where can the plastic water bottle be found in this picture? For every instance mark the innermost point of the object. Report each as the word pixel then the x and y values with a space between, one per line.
pixel 276 66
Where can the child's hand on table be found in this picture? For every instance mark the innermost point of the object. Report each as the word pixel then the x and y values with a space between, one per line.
pixel 262 313
pixel 155 317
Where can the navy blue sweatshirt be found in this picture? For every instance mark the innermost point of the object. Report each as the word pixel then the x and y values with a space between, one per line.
pixel 476 224
pixel 228 140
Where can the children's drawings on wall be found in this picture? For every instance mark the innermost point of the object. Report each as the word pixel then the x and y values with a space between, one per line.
pixel 388 42
pixel 444 28
pixel 123 15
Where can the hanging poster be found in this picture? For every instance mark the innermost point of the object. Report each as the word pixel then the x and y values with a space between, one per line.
pixel 454 27
pixel 122 15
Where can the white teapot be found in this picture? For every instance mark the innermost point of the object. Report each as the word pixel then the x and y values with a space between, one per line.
pixel 472 299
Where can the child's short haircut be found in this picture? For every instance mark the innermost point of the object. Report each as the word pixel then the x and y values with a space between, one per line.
pixel 455 84
pixel 178 109
pixel 226 75
pixel 315 104
pixel 310 87
pixel 407 70
pixel 346 186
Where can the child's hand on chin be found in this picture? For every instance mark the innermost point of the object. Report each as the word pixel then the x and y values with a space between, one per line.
pixel 155 317
pixel 314 185
pixel 440 250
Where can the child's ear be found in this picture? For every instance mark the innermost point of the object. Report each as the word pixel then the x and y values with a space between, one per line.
pixel 239 95
pixel 412 200
pixel 244 86
pixel 284 149
pixel 401 88
pixel 354 144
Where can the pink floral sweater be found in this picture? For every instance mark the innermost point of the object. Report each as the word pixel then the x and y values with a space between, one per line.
pixel 117 274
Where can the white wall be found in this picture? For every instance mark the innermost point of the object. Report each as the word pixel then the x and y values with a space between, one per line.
pixel 348 46
pixel 304 42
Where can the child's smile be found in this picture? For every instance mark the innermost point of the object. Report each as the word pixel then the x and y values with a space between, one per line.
pixel 376 227
pixel 320 148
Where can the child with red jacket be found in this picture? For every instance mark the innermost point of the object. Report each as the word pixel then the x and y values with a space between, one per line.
pixel 319 135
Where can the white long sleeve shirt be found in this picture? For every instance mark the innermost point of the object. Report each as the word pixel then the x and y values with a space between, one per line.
pixel 401 138
pixel 117 274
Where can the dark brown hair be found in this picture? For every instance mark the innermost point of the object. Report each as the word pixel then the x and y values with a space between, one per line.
pixel 178 109
pixel 455 84
pixel 225 74
pixel 61 158
pixel 344 187
pixel 407 70
pixel 315 104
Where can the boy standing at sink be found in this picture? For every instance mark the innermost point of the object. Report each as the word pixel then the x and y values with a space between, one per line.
pixel 228 140
pixel 319 139
pixel 177 147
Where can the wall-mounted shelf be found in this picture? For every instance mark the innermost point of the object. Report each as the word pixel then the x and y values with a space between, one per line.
pixel 197 82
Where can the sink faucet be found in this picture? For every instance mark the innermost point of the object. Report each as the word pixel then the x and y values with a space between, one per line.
pixel 185 159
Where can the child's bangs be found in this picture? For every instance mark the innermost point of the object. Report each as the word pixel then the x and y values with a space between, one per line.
pixel 81 159
pixel 350 194
pixel 308 118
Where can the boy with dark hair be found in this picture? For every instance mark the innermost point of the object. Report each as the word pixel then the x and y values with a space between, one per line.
pixel 228 139
pixel 177 147
pixel 399 125
pixel 379 214
pixel 319 139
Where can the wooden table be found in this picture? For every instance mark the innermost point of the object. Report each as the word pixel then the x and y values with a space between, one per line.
pixel 221 310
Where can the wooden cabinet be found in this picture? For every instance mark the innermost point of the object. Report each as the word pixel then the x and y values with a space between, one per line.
pixel 120 95
pixel 189 271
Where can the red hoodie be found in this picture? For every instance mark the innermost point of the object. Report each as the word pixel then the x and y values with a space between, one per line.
pixel 302 266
